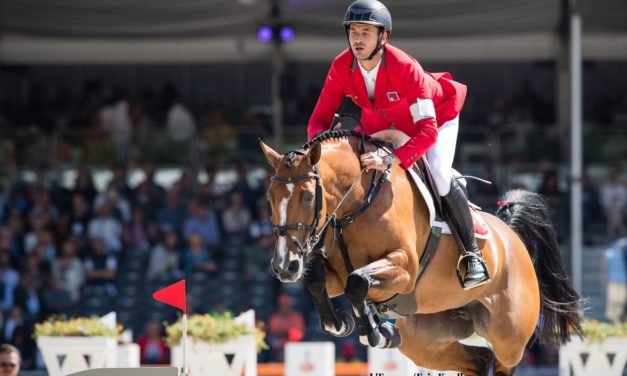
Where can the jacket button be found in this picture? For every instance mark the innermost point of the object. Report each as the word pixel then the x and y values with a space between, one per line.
pixel 393 123
pixel 356 97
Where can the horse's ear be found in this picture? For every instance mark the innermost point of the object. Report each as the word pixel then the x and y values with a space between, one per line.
pixel 314 153
pixel 272 156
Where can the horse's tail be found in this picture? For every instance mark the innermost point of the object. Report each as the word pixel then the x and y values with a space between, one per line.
pixel 527 213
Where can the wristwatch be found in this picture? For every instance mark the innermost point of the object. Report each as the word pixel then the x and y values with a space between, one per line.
pixel 388 159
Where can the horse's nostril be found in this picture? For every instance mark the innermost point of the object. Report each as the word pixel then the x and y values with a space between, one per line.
pixel 274 266
pixel 293 267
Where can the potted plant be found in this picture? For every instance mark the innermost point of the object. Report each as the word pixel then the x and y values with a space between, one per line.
pixel 76 344
pixel 218 344
pixel 603 351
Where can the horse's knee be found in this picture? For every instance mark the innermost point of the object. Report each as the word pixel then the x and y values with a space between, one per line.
pixel 315 277
pixel 356 288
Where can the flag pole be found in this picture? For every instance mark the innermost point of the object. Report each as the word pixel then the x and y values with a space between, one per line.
pixel 184 373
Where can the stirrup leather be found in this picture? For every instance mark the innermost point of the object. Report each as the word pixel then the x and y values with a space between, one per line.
pixel 483 265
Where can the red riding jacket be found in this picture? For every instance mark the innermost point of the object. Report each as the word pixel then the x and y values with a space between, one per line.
pixel 406 98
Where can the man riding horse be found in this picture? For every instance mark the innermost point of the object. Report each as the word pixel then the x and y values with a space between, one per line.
pixel 394 92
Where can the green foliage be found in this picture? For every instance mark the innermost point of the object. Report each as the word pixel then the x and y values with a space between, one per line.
pixel 213 328
pixel 75 327
pixel 597 331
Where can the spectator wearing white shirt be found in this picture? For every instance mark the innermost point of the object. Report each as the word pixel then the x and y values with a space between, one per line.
pixel 105 226
pixel 180 122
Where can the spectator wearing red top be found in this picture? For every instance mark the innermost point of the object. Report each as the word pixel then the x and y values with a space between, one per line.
pixel 153 349
pixel 286 325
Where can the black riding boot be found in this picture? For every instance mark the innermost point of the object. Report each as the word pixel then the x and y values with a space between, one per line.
pixel 458 215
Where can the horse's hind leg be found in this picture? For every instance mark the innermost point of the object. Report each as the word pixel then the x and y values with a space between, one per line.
pixel 431 341
pixel 332 320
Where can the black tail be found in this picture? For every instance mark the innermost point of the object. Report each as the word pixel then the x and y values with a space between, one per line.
pixel 527 213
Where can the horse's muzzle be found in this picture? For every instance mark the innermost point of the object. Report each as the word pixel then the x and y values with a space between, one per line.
pixel 286 271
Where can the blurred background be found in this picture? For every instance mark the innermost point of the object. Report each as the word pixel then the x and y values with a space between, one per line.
pixel 128 145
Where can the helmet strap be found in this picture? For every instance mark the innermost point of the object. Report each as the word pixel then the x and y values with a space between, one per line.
pixel 379 45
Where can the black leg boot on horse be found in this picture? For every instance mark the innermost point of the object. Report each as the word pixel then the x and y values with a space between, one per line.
pixel 458 215
pixel 332 320
pixel 371 329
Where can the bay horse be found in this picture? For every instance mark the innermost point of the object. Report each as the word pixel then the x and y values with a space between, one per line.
pixel 373 256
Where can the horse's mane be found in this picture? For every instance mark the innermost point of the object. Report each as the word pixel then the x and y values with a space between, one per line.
pixel 338 134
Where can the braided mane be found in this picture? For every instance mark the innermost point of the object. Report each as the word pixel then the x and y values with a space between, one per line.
pixel 338 134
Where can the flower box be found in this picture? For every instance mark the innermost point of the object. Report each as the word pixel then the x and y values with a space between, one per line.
pixel 231 358
pixel 218 344
pixel 65 355
pixel 580 357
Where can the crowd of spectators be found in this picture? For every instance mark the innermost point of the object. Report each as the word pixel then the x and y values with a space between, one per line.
pixel 56 243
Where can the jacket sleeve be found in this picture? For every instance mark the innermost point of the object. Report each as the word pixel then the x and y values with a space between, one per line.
pixel 328 102
pixel 419 92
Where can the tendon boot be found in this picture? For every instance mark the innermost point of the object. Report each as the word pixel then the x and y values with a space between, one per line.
pixel 458 215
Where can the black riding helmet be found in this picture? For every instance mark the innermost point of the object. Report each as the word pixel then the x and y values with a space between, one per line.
pixel 372 12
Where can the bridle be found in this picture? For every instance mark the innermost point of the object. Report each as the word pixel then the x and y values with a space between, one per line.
pixel 314 243
pixel 281 230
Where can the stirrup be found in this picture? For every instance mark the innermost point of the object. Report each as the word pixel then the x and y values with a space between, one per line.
pixel 483 265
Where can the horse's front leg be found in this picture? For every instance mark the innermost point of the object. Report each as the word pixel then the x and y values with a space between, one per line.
pixel 332 320
pixel 388 274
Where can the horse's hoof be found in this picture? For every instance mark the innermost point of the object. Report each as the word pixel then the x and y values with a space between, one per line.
pixel 348 323
pixel 391 335
pixel 375 339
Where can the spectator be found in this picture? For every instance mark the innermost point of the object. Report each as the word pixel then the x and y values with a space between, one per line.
pixel 236 217
pixel 44 205
pixel 616 284
pixel 141 233
pixel 202 221
pixel 101 268
pixel 10 361
pixel 152 346
pixel 121 206
pixel 172 214
pixel 197 257
pixel 116 121
pixel 148 194
pixel 84 186
pixel 55 300
pixel 79 216
pixel 180 122
pixel 220 135
pixel 285 325
pixel 242 185
pixel 68 270
pixel 106 227
pixel 14 320
pixel 28 296
pixel 165 258
pixel 9 279
pixel 614 201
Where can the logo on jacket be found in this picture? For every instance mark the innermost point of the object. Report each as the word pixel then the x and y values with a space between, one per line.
pixel 393 96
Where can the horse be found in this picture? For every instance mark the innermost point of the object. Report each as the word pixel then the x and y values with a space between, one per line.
pixel 373 255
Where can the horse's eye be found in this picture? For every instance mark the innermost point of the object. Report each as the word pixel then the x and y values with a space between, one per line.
pixel 308 196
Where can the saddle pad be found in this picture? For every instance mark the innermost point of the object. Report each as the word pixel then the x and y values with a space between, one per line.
pixel 481 228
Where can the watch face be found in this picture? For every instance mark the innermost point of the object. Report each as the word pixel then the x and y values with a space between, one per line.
pixel 387 159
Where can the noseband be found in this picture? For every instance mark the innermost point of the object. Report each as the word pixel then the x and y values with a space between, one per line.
pixel 282 230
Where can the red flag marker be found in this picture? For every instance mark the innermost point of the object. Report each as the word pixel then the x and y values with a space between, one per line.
pixel 173 295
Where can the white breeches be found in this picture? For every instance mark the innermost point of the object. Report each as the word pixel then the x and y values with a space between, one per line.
pixel 440 156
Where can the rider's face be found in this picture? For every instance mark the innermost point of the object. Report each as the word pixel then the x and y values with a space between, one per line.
pixel 363 39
